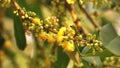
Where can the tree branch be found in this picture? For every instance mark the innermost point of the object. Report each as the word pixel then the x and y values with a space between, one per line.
pixel 96 25
pixel 75 18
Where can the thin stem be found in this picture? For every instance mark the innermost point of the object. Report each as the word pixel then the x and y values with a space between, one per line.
pixel 16 6
pixel 75 18
pixel 96 25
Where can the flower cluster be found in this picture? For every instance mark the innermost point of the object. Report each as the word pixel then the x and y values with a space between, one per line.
pixel 50 30
pixel 112 62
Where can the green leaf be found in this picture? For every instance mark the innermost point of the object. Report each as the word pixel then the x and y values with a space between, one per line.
pixel 22 3
pixel 106 20
pixel 107 34
pixel 110 39
pixel 19 33
pixel 86 64
pixel 85 49
pixel 94 60
pixel 9 12
pixel 114 46
pixel 62 59
pixel 104 54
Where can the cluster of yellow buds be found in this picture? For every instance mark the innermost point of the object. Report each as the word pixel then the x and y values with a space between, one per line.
pixel 47 36
pixel 94 44
pixel 111 61
pixel 89 41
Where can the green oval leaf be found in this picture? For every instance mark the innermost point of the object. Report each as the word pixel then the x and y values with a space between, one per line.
pixel 93 60
pixel 19 33
pixel 114 46
pixel 107 34
pixel 62 59
pixel 110 39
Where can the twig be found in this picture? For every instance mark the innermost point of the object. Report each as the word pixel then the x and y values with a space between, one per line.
pixel 75 18
pixel 38 47
pixel 96 25
pixel 16 6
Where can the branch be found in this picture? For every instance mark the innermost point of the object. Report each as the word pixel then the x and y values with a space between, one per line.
pixel 75 18
pixel 16 6
pixel 96 25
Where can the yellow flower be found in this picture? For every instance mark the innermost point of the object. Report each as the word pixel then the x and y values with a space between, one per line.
pixel 68 46
pixel 43 35
pixel 36 20
pixel 61 31
pixel 50 38
pixel 70 1
pixel 59 38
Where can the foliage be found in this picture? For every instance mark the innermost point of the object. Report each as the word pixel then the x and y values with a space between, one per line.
pixel 60 33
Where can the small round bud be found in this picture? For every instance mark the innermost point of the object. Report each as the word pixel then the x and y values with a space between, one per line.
pixel 23 17
pixel 36 20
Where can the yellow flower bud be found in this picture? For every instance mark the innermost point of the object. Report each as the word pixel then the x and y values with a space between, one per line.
pixel 36 20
